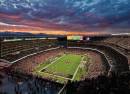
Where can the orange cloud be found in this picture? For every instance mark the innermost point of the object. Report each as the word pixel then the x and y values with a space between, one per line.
pixel 30 29
pixel 85 33
pixel 36 30
pixel 43 26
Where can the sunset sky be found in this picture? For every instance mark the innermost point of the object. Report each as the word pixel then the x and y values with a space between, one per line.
pixel 63 17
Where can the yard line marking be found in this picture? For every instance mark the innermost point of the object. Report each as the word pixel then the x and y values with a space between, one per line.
pixel 66 78
pixel 77 69
pixel 51 63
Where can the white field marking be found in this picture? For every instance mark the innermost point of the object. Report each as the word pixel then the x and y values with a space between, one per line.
pixel 57 76
pixel 51 63
pixel 77 69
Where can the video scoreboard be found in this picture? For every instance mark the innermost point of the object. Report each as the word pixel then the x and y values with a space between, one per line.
pixel 74 37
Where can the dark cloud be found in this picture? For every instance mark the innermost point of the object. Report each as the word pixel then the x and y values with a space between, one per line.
pixel 68 13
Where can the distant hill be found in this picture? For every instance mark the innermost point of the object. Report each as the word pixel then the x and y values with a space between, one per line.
pixel 23 35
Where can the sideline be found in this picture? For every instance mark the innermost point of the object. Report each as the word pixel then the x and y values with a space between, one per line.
pixel 57 75
pixel 77 69
pixel 51 63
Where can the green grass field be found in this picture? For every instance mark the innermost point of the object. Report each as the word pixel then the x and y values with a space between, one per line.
pixel 62 69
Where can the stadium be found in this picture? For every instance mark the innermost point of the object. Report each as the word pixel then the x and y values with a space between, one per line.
pixel 64 46
pixel 64 60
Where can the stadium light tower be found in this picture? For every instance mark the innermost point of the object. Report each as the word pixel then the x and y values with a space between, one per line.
pixel 88 38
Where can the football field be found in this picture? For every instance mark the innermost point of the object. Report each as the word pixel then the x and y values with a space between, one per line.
pixel 62 68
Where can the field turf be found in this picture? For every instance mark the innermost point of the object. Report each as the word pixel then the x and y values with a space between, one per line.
pixel 61 69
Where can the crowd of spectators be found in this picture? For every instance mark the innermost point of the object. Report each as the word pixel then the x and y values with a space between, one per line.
pixel 96 65
pixel 13 50
pixel 121 41
pixel 26 84
pixel 96 60
pixel 28 65
pixel 102 85
pixel 113 56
